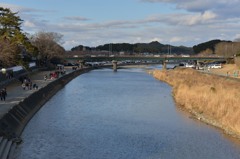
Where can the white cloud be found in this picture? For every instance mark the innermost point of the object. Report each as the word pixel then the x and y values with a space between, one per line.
pixel 224 8
pixel 237 37
pixel 157 39
pixel 29 24
pixel 201 21
pixel 184 19
pixel 77 18
pixel 68 43
pixel 201 18
pixel 13 7
pixel 176 39
pixel 21 9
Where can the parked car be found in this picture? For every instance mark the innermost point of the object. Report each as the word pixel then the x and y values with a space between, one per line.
pixel 215 66
pixel 190 65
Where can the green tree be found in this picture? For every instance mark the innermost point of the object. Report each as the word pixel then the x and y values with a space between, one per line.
pixel 14 45
pixel 9 22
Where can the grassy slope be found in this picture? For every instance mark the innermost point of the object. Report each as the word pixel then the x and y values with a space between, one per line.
pixel 215 99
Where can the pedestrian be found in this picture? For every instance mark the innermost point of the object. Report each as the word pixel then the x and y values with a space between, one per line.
pixel 30 85
pixel 3 95
pixel 234 73
pixel 24 86
pixel 45 77
pixel 35 86
pixel 5 90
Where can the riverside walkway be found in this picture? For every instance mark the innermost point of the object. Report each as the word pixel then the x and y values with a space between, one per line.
pixel 15 92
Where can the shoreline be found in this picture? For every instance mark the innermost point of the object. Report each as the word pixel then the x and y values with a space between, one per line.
pixel 15 120
pixel 17 111
pixel 198 112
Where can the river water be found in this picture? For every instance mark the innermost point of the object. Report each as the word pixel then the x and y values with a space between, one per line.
pixel 120 115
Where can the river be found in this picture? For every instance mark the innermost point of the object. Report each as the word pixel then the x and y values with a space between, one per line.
pixel 120 115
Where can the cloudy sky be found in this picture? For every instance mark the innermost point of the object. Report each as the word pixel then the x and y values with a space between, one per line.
pixel 96 22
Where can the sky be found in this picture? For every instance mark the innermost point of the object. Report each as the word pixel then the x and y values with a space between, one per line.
pixel 97 22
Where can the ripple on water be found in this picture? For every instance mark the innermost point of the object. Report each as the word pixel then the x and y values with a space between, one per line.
pixel 125 115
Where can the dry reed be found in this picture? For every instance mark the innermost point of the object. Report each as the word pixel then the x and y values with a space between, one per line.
pixel 214 98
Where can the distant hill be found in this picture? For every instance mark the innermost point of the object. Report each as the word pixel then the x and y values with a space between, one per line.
pixel 207 45
pixel 81 48
pixel 153 47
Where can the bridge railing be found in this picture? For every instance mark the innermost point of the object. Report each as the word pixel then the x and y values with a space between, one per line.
pixel 142 58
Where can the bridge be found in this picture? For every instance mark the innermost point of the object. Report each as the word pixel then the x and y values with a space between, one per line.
pixel 141 58
pixel 153 59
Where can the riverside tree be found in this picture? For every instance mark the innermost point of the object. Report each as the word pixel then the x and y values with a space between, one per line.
pixel 48 46
pixel 227 49
pixel 14 45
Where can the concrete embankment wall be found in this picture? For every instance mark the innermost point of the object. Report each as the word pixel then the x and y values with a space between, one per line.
pixel 13 123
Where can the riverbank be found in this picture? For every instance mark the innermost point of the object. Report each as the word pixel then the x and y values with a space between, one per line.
pixel 211 98
pixel 23 105
pixel 13 122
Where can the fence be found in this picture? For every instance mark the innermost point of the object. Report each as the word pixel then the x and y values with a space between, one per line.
pixel 12 74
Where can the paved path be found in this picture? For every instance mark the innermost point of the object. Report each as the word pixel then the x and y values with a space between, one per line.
pixel 15 92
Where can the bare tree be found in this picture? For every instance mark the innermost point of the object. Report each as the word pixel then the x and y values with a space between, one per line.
pixel 8 52
pixel 237 61
pixel 227 49
pixel 237 40
pixel 48 45
pixel 206 52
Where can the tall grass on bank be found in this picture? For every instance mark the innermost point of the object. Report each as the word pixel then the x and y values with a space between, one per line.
pixel 214 98
pixel 237 61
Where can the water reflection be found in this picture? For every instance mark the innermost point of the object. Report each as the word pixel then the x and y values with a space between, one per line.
pixel 125 114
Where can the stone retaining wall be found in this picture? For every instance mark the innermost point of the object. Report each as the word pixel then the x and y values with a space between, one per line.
pixel 13 123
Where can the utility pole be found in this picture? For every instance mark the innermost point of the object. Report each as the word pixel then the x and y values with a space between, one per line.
pixel 110 49
pixel 169 49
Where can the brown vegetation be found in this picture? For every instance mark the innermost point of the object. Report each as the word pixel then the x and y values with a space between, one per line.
pixel 8 52
pixel 227 49
pixel 215 99
pixel 226 69
pixel 237 61
pixel 206 52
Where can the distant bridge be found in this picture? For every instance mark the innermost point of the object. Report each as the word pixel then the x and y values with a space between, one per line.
pixel 142 58
pixel 148 59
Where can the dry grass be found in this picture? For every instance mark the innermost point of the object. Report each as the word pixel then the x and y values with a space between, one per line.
pixel 216 98
pixel 237 61
pixel 230 68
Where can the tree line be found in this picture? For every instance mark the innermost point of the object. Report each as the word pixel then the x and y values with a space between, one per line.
pixel 218 47
pixel 19 48
pixel 152 47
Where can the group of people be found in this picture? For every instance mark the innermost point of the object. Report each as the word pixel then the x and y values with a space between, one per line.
pixel 3 94
pixel 9 74
pixel 235 73
pixel 53 75
pixel 27 84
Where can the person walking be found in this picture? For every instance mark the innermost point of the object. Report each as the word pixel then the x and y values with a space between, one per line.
pixel 3 94
pixel 5 90
pixel 45 77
